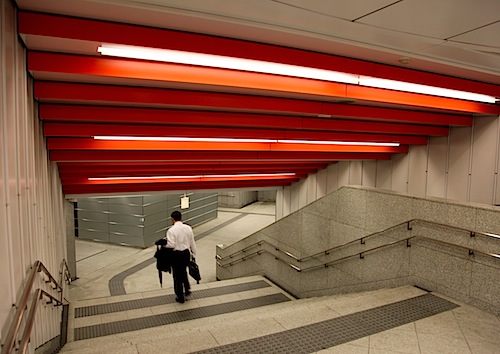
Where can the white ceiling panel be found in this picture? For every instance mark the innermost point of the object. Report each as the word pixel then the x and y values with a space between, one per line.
pixel 438 19
pixel 467 58
pixel 349 10
pixel 318 28
pixel 486 36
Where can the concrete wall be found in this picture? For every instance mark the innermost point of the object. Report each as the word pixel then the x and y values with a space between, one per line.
pixel 350 213
pixel 139 220
pixel 463 167
pixel 32 212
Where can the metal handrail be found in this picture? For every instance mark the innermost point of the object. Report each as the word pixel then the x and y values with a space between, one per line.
pixel 23 304
pixel 250 255
pixel 360 254
pixel 64 276
pixel 360 240
pixel 323 265
pixel 471 252
pixel 25 338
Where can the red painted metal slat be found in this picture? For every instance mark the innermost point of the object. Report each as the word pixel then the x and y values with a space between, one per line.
pixel 270 166
pixel 103 114
pixel 217 156
pixel 146 70
pixel 111 145
pixel 78 174
pixel 131 180
pixel 47 91
pixel 157 187
pixel 65 166
pixel 106 32
pixel 90 130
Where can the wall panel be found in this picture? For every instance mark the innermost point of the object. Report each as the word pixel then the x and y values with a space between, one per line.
pixel 312 188
pixel 294 196
pixel 280 202
pixel 355 173
pixel 140 220
pixel 447 167
pixel 322 177
pixel 7 291
pixel 332 177
pixel 32 217
pixel 343 173
pixel 400 165
pixel 459 164
pixel 369 174
pixel 484 157
pixel 302 200
pixel 384 174
pixel 436 167
pixel 417 175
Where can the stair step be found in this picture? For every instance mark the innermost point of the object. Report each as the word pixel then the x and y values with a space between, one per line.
pixel 100 309
pixel 307 325
pixel 174 317
pixel 118 314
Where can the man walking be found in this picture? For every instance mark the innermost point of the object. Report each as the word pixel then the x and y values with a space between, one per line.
pixel 180 237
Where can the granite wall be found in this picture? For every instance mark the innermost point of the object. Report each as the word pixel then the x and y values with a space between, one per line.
pixel 351 213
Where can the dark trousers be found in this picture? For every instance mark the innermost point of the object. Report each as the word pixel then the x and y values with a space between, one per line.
pixel 179 268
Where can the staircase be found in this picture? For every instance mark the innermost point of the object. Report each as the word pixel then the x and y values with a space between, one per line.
pixel 248 315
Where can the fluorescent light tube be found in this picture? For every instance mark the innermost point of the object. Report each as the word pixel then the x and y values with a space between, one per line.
pixel 181 139
pixel 285 174
pixel 423 89
pixel 236 140
pixel 325 142
pixel 218 61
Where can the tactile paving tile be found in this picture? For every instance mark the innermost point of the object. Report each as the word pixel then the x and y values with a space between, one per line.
pixel 174 317
pixel 329 333
pixel 166 299
pixel 116 284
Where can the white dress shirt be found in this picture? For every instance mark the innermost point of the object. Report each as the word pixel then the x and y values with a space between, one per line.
pixel 180 237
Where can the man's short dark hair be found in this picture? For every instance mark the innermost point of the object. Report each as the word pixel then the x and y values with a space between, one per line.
pixel 176 215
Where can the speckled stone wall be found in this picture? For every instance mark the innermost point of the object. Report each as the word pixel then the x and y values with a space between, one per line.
pixel 437 256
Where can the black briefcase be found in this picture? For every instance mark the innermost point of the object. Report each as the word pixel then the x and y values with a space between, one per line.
pixel 194 271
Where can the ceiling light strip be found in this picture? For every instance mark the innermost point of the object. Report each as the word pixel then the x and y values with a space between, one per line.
pixel 217 61
pixel 252 175
pixel 237 140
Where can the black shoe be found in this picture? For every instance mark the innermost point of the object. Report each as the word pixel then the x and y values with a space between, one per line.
pixel 179 300
pixel 187 293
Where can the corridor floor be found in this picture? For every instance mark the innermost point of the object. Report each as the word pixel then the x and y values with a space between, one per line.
pixel 461 329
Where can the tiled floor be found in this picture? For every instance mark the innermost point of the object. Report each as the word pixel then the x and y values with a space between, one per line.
pixel 461 330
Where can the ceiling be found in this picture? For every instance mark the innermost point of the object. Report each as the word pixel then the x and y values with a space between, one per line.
pixel 453 44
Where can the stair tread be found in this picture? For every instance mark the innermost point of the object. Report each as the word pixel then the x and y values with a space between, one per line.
pixel 274 321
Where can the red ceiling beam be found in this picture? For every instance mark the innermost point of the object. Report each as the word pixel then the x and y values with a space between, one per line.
pixel 107 32
pixel 216 156
pixel 56 91
pixel 111 145
pixel 90 130
pixel 131 180
pixel 166 72
pixel 78 174
pixel 80 189
pixel 76 168
pixel 66 166
pixel 57 113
